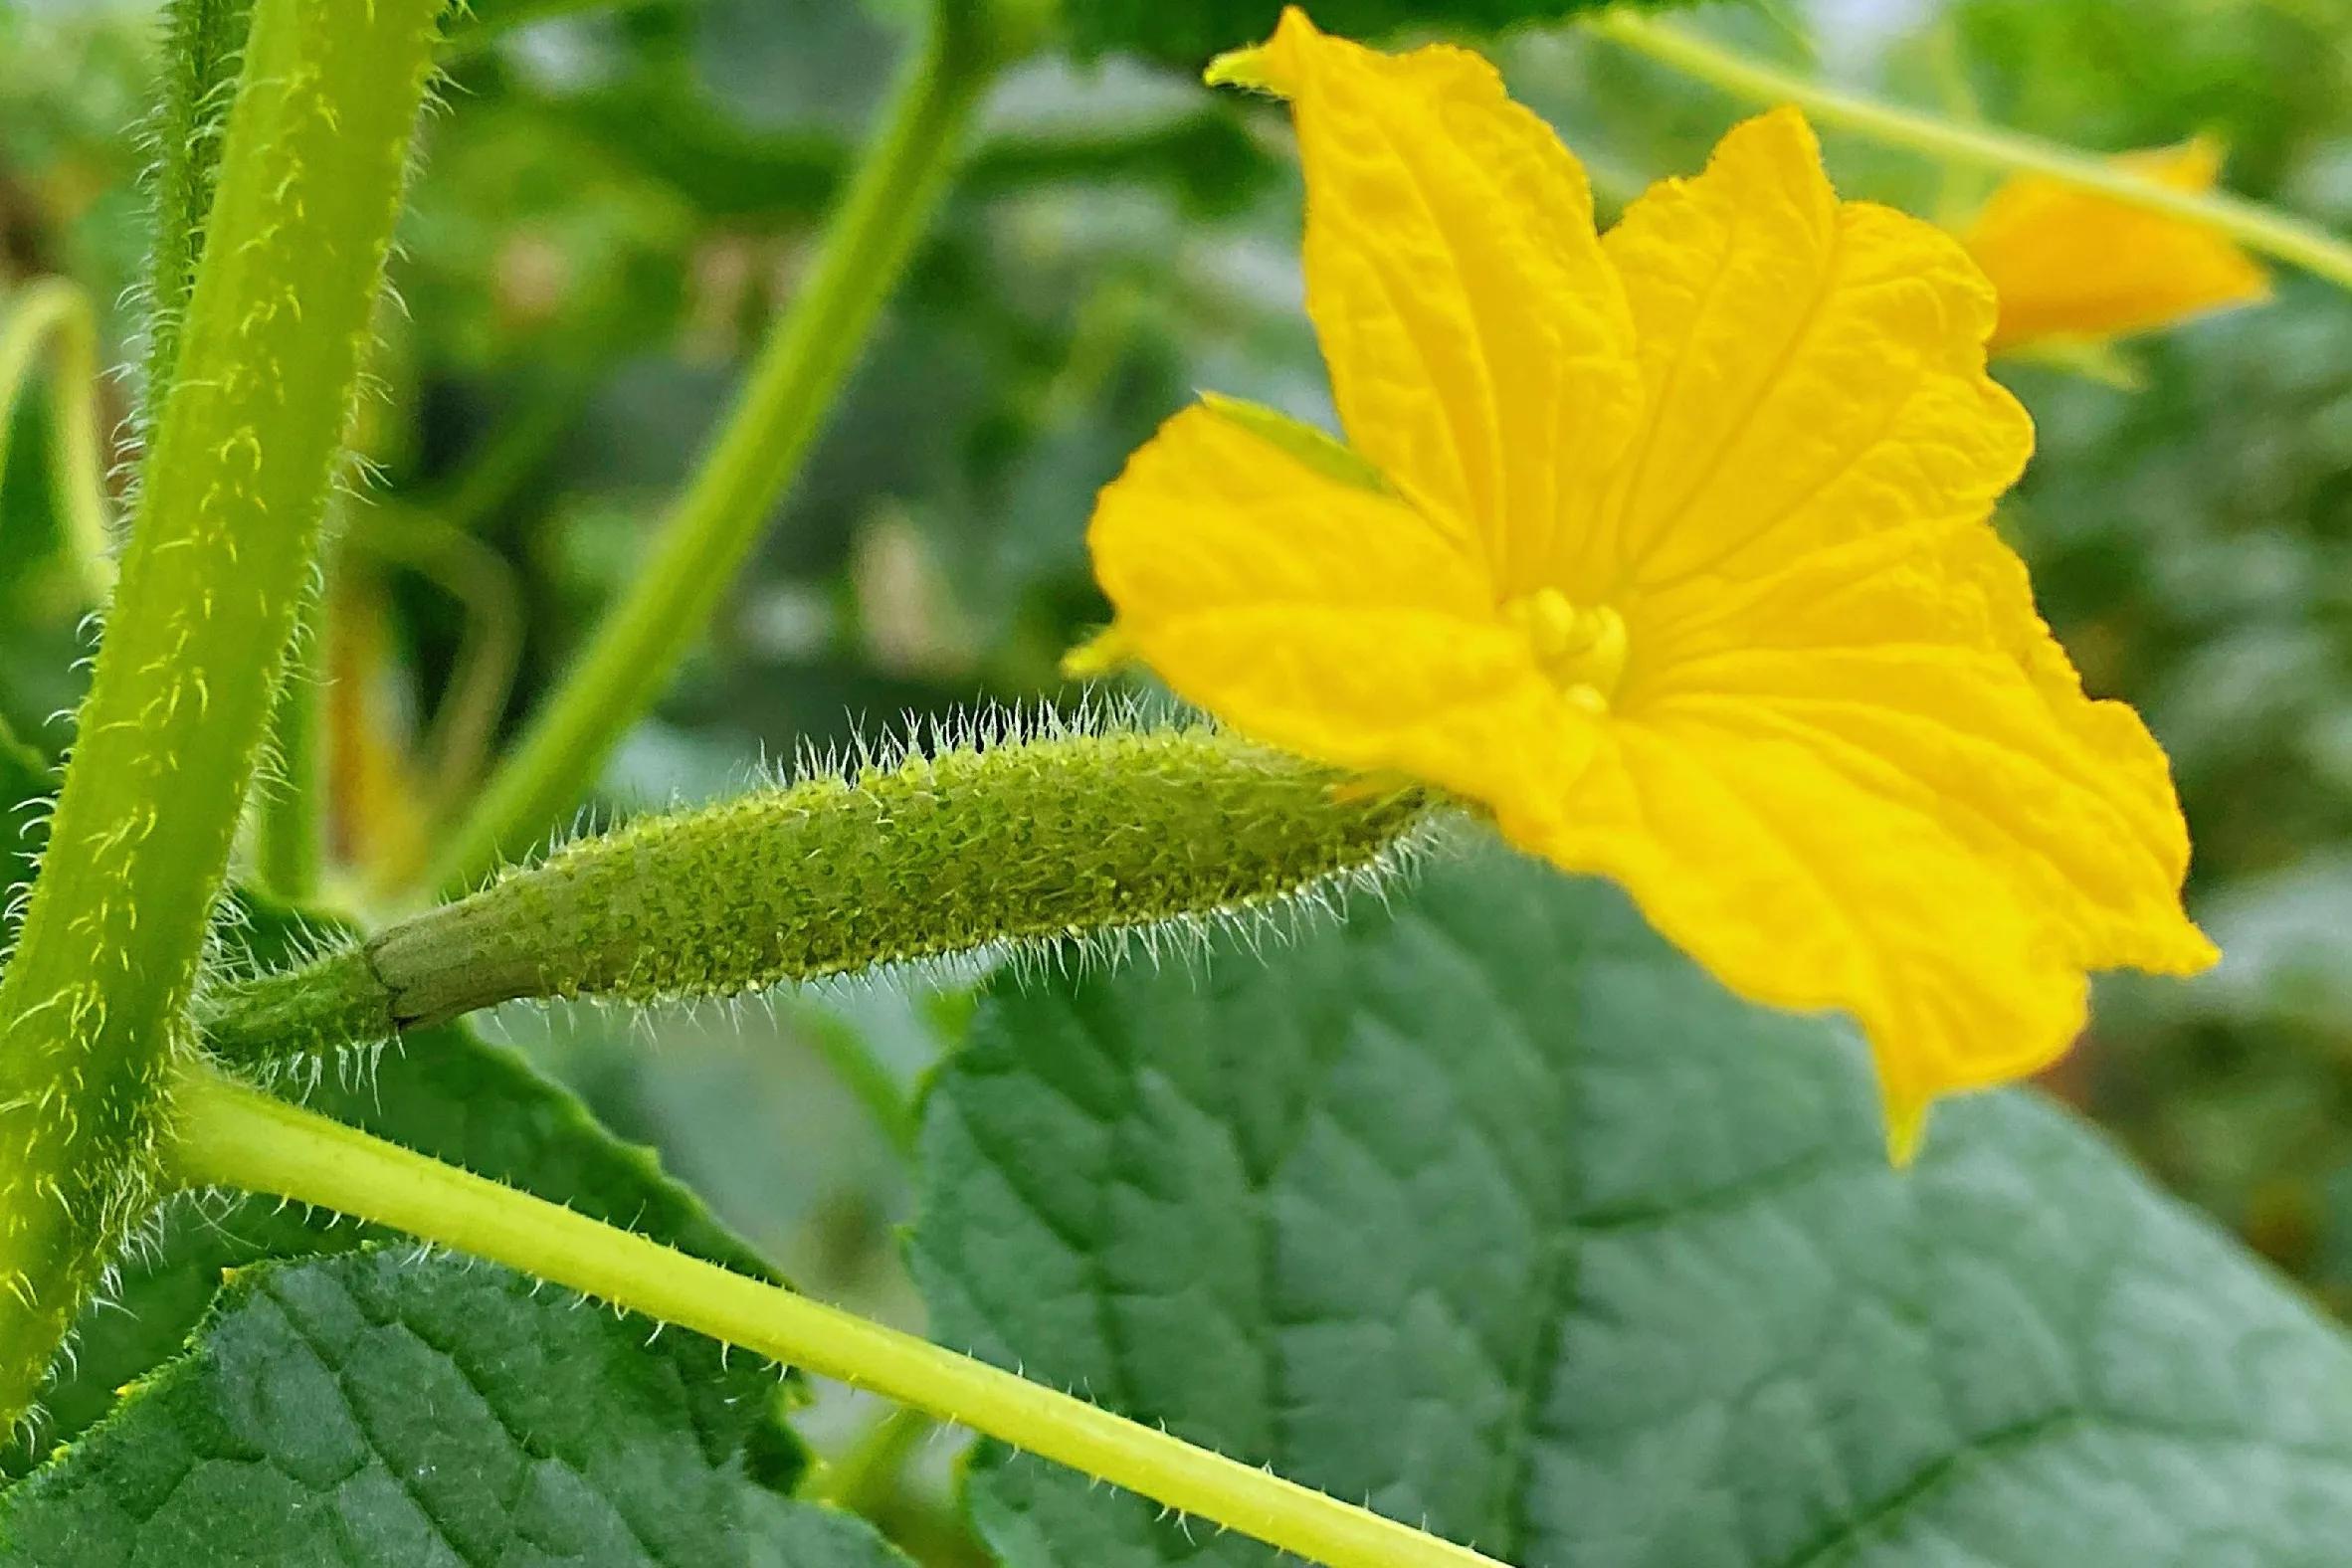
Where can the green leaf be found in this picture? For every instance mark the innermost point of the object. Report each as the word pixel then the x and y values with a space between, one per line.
pixel 1500 1214
pixel 787 1534
pixel 375 1409
pixel 1188 35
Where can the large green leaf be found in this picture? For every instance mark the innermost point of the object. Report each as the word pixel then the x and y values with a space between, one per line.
pixel 373 1409
pixel 1502 1215
pixel 1188 34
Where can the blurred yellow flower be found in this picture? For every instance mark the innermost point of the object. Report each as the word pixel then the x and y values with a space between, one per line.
pixel 2072 265
pixel 1671 549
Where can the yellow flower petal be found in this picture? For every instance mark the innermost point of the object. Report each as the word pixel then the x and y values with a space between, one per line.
pixel 1876 785
pixel 1850 767
pixel 1477 340
pixel 2072 264
pixel 1323 615
pixel 1815 371
pixel 1720 616
pixel 1915 659
pixel 1801 884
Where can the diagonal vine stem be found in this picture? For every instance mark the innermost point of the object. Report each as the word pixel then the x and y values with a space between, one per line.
pixel 234 1136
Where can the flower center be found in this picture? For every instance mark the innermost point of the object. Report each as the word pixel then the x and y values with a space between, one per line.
pixel 1583 649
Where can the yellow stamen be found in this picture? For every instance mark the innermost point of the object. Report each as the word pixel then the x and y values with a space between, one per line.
pixel 1583 649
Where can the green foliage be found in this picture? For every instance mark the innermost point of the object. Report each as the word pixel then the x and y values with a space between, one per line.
pixel 1503 1213
pixel 1008 842
pixel 1491 1211
pixel 378 1409
pixel 1188 35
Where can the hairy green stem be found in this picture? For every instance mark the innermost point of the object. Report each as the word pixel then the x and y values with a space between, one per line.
pixel 93 1007
pixel 636 648
pixel 290 830
pixel 55 312
pixel 2252 224
pixel 231 1136
pixel 203 41
pixel 1065 835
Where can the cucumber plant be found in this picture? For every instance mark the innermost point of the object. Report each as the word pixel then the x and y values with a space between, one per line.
pixel 1476 1228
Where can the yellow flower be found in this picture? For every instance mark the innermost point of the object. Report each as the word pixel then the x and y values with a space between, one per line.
pixel 2070 264
pixel 1671 550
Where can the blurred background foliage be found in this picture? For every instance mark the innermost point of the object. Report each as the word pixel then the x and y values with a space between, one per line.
pixel 616 201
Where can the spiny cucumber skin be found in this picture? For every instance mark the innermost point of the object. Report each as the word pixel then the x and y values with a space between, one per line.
pixel 94 1004
pixel 1020 843
pixel 936 855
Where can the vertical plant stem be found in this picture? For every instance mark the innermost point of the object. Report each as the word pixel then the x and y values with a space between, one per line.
pixel 702 544
pixel 233 1136
pixel 289 831
pixel 2259 228
pixel 202 43
pixel 93 1005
